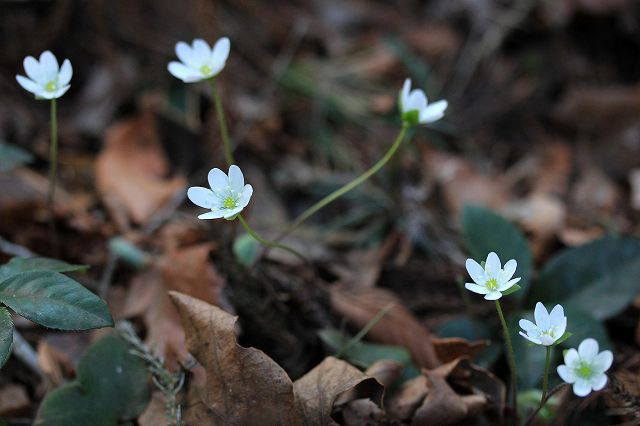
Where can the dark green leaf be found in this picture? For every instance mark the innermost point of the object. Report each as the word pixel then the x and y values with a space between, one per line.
pixel 582 326
pixel 54 300
pixel 511 290
pixel 529 357
pixel 599 277
pixel 246 249
pixel 472 329
pixel 6 335
pixel 24 264
pixel 486 231
pixel 12 156
pixel 112 386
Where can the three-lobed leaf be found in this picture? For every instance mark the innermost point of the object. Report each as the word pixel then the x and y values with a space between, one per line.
pixel 54 300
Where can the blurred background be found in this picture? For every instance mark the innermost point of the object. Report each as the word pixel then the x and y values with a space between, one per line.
pixel 543 127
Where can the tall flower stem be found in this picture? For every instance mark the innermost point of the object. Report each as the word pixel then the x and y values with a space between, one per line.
pixel 53 156
pixel 222 122
pixel 511 359
pixel 545 378
pixel 267 243
pixel 348 187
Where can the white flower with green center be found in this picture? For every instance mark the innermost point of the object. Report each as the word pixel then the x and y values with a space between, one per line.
pixel 586 367
pixel 414 106
pixel 491 280
pixel 199 61
pixel 549 327
pixel 226 198
pixel 46 80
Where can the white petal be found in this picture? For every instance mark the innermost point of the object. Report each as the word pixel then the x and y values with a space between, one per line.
pixel 433 112
pixel 581 387
pixel 542 316
pixel 475 271
pixel 183 72
pixel 547 340
pixel 228 214
pixel 211 215
pixel 66 72
pixel 417 101
pixel 494 295
pixel 566 373
pixel 185 54
pixel 492 265
pixel 588 349
pixel 49 65
pixel 56 94
pixel 562 327
pixel 201 51
pixel 218 180
pixel 220 51
pixel 476 288
pixel 508 284
pixel 603 361
pixel 531 339
pixel 571 358
pixel 509 269
pixel 404 94
pixel 202 197
pixel 598 382
pixel 28 85
pixel 236 179
pixel 246 195
pixel 33 69
pixel 526 325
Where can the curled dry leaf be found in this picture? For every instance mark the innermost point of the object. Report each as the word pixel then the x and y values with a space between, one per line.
pixel 131 171
pixel 397 327
pixel 451 348
pixel 244 386
pixel 318 390
pixel 385 371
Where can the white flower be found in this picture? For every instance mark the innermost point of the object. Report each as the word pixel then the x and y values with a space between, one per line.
pixel 226 198
pixel 492 280
pixel 585 368
pixel 46 79
pixel 414 107
pixel 549 327
pixel 199 61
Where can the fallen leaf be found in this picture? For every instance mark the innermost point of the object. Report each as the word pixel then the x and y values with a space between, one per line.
pixel 244 386
pixel 131 171
pixel 451 348
pixel 317 391
pixel 386 372
pixel 397 327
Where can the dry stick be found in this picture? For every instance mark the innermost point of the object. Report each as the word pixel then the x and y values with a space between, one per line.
pixel 552 392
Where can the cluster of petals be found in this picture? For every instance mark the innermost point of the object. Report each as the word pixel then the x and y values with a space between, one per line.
pixel 491 280
pixel 415 108
pixel 548 328
pixel 199 61
pixel 586 367
pixel 227 197
pixel 45 78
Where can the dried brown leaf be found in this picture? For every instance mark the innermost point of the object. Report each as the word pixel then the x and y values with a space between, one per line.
pixel 451 348
pixel 318 390
pixel 244 386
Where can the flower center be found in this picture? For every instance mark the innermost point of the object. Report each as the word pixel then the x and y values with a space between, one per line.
pixel 51 86
pixel 205 69
pixel 492 284
pixel 229 203
pixel 584 370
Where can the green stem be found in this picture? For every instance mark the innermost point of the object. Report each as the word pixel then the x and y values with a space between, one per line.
pixel 348 187
pixel 268 243
pixel 358 337
pixel 228 154
pixel 545 378
pixel 53 156
pixel 512 361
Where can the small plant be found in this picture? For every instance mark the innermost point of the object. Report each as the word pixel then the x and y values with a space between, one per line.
pixel 36 289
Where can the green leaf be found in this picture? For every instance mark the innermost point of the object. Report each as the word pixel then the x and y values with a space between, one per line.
pixel 6 335
pixel 472 329
pixel 486 231
pixel 246 249
pixel 24 264
pixel 599 277
pixel 54 300
pixel 364 354
pixel 529 357
pixel 112 386
pixel 582 326
pixel 12 156
pixel 511 290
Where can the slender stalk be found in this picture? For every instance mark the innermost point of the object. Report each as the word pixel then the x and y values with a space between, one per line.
pixel 552 392
pixel 268 243
pixel 545 378
pixel 228 154
pixel 512 362
pixel 53 155
pixel 348 187
pixel 358 337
